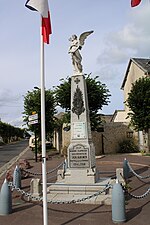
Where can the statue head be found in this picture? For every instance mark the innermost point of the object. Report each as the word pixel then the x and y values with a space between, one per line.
pixel 73 37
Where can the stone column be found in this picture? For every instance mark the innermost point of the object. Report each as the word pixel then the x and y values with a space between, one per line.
pixel 81 152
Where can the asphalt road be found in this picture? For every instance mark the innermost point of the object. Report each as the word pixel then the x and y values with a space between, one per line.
pixel 8 152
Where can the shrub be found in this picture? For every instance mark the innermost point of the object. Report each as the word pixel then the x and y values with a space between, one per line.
pixel 127 146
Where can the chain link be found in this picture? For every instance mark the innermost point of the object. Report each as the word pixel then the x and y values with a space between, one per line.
pixel 107 187
pixel 33 198
pixel 138 196
pixel 10 184
pixel 81 199
pixel 138 176
pixel 39 174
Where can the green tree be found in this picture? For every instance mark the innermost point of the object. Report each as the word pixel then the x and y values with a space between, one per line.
pixel 138 102
pixel 98 96
pixel 32 103
pixel 10 133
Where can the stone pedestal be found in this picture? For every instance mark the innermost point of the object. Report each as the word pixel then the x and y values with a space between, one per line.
pixel 81 152
pixel 36 187
pixel 119 175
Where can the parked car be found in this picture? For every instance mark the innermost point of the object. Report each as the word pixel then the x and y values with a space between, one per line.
pixel 32 142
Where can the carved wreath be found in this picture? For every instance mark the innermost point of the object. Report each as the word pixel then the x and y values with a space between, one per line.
pixel 78 103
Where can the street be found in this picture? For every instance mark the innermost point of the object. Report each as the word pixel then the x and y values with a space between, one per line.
pixel 8 152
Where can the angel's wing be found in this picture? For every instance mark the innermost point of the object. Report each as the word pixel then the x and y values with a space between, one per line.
pixel 83 36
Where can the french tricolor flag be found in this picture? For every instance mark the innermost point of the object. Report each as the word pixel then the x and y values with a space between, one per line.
pixel 42 7
pixel 135 3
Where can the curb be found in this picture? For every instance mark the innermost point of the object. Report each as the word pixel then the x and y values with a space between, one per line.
pixel 4 168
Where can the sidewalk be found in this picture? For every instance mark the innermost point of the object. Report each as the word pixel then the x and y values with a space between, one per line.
pixel 137 210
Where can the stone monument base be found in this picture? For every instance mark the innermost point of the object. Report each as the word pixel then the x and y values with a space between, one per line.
pixel 78 176
pixel 61 191
pixel 79 192
pixel 81 165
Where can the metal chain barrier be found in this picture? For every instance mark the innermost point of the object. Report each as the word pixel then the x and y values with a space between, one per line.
pixel 10 184
pixel 140 196
pixel 138 176
pixel 84 198
pixel 39 174
pixel 30 197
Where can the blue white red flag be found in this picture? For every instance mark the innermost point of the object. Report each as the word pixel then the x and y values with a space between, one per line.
pixel 42 7
pixel 135 3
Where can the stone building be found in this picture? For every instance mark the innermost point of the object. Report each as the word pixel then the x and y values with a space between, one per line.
pixel 137 68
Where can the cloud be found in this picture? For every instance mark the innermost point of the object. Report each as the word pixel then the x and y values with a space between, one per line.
pixel 18 122
pixel 110 73
pixel 8 98
pixel 10 106
pixel 112 55
pixel 133 40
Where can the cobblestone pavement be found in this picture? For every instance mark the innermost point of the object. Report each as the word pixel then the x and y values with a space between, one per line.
pixel 137 210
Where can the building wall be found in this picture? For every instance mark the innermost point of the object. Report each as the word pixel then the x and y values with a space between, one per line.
pixel 106 142
pixel 120 116
pixel 134 74
pixel 114 133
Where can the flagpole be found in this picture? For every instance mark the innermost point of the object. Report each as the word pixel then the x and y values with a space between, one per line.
pixel 44 177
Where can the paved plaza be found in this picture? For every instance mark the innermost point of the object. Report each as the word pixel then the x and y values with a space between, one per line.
pixel 28 213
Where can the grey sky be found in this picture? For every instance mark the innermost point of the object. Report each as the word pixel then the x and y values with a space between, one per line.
pixel 120 33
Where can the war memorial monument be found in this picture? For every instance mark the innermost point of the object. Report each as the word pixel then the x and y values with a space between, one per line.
pixel 80 177
pixel 81 166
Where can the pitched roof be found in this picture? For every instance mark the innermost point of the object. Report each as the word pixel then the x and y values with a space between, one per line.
pixel 142 63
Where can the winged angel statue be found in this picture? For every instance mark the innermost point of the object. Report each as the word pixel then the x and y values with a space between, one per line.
pixel 76 45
